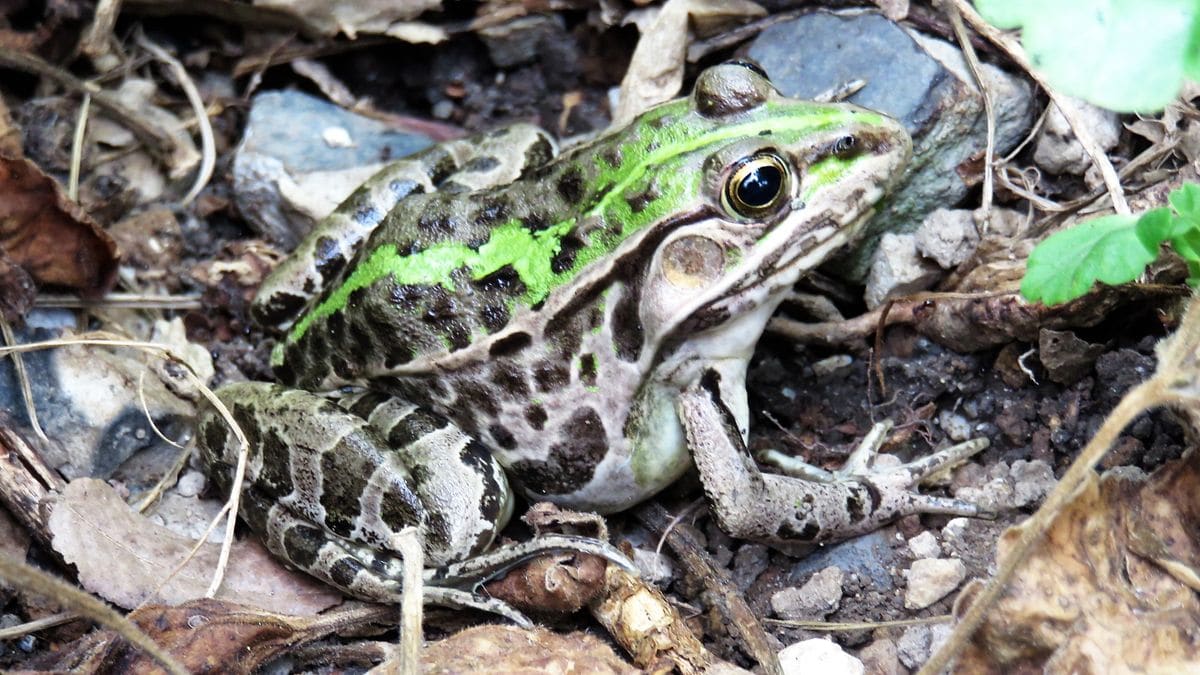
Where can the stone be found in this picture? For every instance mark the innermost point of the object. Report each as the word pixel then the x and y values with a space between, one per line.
pixel 749 562
pixel 1057 150
pixel 1032 481
pixel 287 174
pixel 931 579
pixel 818 656
pixel 819 597
pixel 922 81
pixel 191 483
pixel 912 647
pixel 947 237
pixel 924 545
pixel 881 658
pixel 897 270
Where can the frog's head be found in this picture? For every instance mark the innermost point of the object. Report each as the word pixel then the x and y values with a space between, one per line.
pixel 782 184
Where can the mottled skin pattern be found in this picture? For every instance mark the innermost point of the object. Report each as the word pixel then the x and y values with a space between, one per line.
pixel 585 327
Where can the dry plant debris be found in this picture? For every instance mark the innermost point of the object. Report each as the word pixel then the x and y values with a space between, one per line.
pixel 52 238
pixel 506 649
pixel 1103 589
pixel 128 560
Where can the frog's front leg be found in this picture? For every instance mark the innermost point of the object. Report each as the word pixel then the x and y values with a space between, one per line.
pixel 783 509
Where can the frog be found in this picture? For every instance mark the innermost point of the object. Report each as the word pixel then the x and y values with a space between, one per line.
pixel 493 316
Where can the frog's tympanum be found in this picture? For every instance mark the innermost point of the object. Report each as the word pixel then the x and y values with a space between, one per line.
pixel 484 313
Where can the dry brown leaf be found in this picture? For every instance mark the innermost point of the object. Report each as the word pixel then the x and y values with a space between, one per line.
pixel 559 583
pixel 656 70
pixel 50 236
pixel 506 649
pixel 374 17
pixel 1110 588
pixel 205 636
pixel 123 557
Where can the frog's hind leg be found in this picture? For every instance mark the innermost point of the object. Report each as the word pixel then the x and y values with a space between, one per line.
pixel 354 569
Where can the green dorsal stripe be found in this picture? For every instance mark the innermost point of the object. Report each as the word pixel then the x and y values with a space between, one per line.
pixel 530 253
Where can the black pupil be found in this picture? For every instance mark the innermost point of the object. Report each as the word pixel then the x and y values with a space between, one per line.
pixel 760 186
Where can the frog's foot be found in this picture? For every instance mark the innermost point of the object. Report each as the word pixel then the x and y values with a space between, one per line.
pixel 460 599
pixel 812 505
pixel 909 475
pixel 478 569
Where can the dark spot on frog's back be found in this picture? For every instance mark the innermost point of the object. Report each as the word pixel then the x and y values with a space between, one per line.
pixel 436 221
pixel 275 477
pixel 503 437
pixel 414 426
pixel 493 210
pixel 570 185
pixel 551 375
pixel 587 369
pixel 510 344
pixel 538 153
pixel 367 216
pixel 639 202
pixel 536 416
pixel 565 258
pixel 402 188
pixel 495 316
pixel 511 379
pixel 611 156
pixel 328 257
pixel 572 461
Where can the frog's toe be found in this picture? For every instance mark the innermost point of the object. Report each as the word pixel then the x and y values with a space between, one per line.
pixel 460 599
pixel 919 503
pixel 922 468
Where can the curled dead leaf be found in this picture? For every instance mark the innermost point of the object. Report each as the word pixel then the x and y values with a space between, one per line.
pixel 50 236
pixel 1110 586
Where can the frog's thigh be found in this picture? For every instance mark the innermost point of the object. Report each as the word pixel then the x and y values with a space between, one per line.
pixel 336 470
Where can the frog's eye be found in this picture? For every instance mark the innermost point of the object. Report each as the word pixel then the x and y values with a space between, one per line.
pixel 757 185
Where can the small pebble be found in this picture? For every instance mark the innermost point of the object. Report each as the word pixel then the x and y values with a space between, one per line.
pixel 818 656
pixel 881 658
pixel 931 579
pixel 924 545
pixel 191 483
pixel 819 597
pixel 913 646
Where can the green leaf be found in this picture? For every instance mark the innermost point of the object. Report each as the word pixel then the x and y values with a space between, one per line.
pixel 1068 263
pixel 1186 200
pixel 1154 227
pixel 1125 55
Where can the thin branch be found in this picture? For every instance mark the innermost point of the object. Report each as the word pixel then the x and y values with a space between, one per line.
pixel 1065 104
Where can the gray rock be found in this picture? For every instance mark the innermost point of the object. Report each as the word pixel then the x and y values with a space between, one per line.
pixel 300 156
pixel 1032 481
pixel 190 484
pixel 924 545
pixel 931 579
pixel 750 561
pixel 1059 151
pixel 816 599
pixel 913 646
pixel 868 556
pixel 921 81
pixel 957 427
pixel 818 656
pixel 881 658
pixel 87 402
pixel 656 568
pixel 522 40
pixel 948 237
pixel 897 270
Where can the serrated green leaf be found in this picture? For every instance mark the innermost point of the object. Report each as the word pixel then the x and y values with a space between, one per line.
pixel 1068 263
pixel 1125 55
